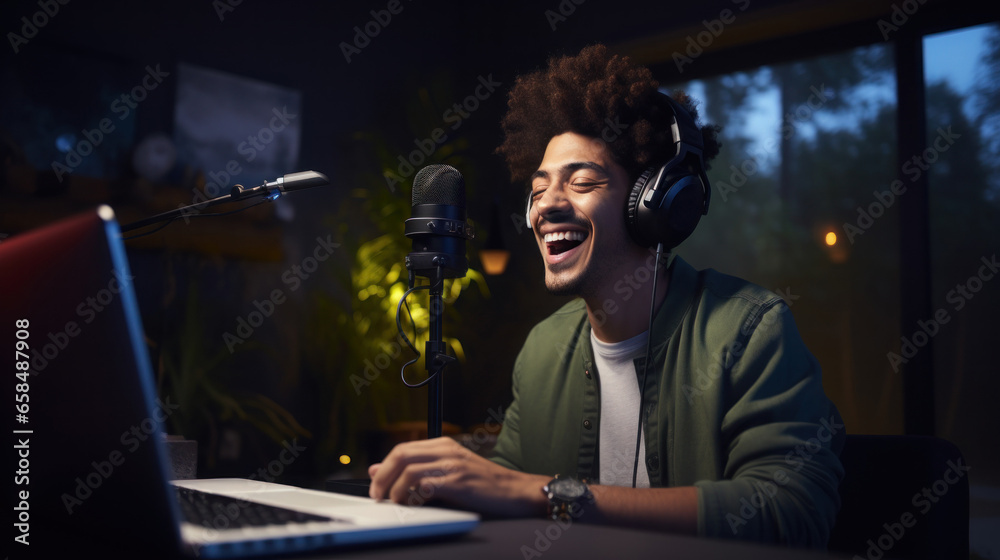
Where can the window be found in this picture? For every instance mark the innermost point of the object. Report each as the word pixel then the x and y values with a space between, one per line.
pixel 962 75
pixel 803 204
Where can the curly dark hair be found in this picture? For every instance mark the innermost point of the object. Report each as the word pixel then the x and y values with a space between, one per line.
pixel 591 94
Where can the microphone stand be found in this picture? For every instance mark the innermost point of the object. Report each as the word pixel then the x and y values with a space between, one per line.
pixel 439 232
pixel 435 357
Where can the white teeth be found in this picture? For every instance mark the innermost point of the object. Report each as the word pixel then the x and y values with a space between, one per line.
pixel 565 235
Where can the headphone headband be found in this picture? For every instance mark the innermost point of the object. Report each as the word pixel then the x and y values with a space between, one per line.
pixel 683 126
pixel 668 200
pixel 688 142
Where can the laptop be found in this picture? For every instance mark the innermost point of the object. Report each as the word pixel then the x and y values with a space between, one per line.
pixel 92 469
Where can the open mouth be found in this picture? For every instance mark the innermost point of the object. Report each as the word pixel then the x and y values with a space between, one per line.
pixel 562 241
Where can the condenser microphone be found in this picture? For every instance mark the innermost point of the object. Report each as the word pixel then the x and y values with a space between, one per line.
pixel 438 224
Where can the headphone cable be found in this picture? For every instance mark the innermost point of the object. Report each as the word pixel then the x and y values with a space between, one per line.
pixel 645 364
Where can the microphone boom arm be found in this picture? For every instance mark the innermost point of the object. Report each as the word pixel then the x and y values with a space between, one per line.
pixel 287 183
pixel 178 212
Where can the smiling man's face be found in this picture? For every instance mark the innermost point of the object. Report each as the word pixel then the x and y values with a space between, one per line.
pixel 577 214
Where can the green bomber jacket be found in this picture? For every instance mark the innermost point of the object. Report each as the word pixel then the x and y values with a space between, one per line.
pixel 734 405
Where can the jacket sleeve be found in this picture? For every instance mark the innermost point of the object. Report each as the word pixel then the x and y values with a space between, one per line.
pixel 781 437
pixel 507 451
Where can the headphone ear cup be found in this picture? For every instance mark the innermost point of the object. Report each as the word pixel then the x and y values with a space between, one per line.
pixel 527 211
pixel 677 214
pixel 684 209
pixel 632 206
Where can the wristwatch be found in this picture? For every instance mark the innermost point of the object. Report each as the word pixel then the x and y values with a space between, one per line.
pixel 567 498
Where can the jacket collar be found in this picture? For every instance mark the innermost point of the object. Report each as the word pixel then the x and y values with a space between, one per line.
pixel 683 283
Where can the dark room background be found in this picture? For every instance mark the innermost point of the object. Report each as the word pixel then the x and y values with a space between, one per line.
pixel 858 180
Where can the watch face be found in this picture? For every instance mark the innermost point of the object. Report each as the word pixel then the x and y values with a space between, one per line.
pixel 568 489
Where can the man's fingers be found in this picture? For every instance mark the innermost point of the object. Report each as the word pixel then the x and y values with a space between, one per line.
pixel 413 477
pixel 386 472
pixel 385 476
pixel 438 487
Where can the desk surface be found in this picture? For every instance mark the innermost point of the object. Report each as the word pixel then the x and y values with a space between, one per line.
pixel 531 538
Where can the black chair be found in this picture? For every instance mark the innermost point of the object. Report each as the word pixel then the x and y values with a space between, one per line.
pixel 902 497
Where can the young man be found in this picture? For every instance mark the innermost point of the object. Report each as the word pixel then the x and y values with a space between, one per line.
pixel 737 438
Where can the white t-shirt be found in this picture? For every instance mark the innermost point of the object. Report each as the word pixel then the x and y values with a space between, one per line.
pixel 619 411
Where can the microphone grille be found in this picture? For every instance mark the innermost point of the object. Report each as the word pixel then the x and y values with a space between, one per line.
pixel 439 184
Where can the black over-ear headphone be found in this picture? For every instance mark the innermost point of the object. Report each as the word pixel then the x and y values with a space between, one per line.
pixel 667 201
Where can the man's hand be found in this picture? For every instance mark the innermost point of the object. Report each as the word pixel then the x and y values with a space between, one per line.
pixel 441 469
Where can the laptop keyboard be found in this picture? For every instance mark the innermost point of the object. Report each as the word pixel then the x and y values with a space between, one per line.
pixel 225 512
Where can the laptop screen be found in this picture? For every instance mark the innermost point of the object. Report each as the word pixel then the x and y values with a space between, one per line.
pixel 87 425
